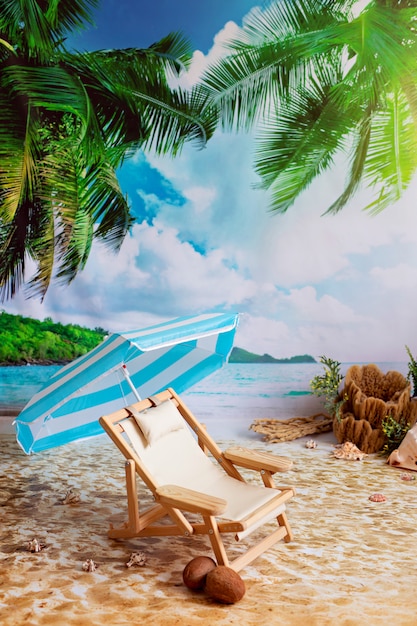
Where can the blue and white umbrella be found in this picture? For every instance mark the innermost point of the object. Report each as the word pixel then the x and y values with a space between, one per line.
pixel 122 369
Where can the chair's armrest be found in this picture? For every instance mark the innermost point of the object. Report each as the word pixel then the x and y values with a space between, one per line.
pixel 189 500
pixel 252 459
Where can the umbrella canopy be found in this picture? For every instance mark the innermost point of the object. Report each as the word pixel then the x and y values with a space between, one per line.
pixel 123 368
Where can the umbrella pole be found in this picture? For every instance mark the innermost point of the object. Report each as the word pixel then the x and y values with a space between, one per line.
pixel 129 382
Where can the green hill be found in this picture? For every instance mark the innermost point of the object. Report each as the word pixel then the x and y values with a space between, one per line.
pixel 26 340
pixel 238 355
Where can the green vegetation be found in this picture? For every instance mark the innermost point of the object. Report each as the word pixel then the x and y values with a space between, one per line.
pixel 327 385
pixel 412 371
pixel 238 355
pixel 67 122
pixel 26 340
pixel 318 79
pixel 395 431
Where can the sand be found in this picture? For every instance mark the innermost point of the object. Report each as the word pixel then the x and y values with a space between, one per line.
pixel 352 560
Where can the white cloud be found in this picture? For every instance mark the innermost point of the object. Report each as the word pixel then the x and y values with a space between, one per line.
pixel 398 278
pixel 200 197
pixel 200 61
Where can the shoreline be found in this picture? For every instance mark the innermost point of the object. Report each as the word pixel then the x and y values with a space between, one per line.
pixel 223 422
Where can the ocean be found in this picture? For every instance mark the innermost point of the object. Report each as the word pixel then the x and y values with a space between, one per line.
pixel 234 395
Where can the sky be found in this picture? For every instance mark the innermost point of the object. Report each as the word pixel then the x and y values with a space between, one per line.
pixel 343 286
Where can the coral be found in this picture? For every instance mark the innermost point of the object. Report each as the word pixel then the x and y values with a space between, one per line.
pixel 372 395
pixel 348 428
pixel 369 397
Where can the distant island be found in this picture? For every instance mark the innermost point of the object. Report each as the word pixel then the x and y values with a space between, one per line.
pixel 25 340
pixel 238 355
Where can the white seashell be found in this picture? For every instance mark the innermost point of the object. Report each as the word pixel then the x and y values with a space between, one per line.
pixel 89 566
pixel 311 444
pixel 34 546
pixel 136 558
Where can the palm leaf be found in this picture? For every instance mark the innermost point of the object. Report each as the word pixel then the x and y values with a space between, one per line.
pixel 274 53
pixel 136 106
pixel 392 156
pixel 301 141
pixel 358 160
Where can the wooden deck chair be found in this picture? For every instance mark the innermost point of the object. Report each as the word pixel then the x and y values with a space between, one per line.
pixel 188 474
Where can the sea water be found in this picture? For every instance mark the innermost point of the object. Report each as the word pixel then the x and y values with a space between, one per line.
pixel 236 393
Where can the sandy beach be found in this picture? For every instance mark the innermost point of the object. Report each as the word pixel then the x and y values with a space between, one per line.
pixel 351 560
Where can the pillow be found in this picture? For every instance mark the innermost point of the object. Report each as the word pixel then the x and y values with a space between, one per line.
pixel 159 421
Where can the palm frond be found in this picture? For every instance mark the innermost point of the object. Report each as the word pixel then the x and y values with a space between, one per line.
pixel 42 248
pixel 392 156
pixel 300 141
pixel 16 238
pixel 73 256
pixel 174 50
pixel 49 88
pixel 37 30
pixel 287 18
pixel 358 160
pixel 12 260
pixel 68 15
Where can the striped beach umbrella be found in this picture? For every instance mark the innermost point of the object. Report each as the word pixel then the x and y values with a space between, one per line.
pixel 122 369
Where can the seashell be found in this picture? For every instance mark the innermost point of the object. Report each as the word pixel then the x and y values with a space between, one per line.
pixel 89 565
pixel 71 497
pixel 34 546
pixel 137 558
pixel 348 451
pixel 407 476
pixel 311 444
pixel 377 497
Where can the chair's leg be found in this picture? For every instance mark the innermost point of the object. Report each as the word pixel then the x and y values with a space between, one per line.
pixel 216 540
pixel 132 527
pixel 283 521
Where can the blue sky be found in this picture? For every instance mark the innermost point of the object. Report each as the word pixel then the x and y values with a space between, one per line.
pixel 343 286
pixel 139 23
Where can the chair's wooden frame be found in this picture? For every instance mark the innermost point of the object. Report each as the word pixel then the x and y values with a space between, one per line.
pixel 173 501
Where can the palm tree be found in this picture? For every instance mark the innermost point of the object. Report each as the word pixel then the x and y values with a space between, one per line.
pixel 317 79
pixel 67 122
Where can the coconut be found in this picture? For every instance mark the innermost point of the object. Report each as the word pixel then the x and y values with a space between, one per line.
pixel 224 585
pixel 195 572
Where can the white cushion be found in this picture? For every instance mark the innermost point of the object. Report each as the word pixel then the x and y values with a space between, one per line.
pixel 159 421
